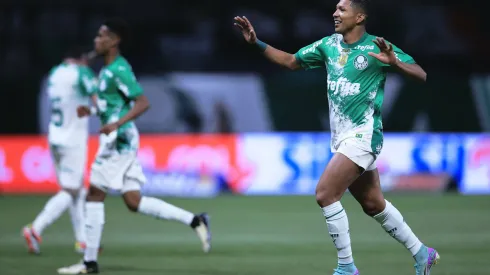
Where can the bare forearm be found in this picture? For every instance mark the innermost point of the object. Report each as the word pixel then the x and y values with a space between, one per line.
pixel 412 70
pixel 281 58
pixel 277 56
pixel 140 106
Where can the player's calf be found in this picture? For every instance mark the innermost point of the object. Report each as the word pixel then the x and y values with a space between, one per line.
pixel 95 219
pixel 367 191
pixel 165 211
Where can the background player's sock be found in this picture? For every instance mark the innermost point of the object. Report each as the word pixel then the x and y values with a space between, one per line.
pixel 393 223
pixel 162 210
pixel 94 225
pixel 77 215
pixel 338 228
pixel 52 211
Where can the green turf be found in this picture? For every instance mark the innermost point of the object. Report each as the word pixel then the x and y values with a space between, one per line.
pixel 259 235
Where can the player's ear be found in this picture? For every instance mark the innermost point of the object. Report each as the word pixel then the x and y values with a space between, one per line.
pixel 361 18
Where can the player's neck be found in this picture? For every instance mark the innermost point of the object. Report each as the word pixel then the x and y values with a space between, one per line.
pixel 70 61
pixel 354 35
pixel 110 57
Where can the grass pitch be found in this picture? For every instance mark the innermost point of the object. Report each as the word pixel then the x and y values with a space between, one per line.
pixel 256 236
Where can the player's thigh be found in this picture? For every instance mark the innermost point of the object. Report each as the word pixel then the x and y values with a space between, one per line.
pixel 367 191
pixel 107 172
pixel 134 179
pixel 70 166
pixel 335 179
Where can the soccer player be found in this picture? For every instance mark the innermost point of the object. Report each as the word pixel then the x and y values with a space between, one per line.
pixel 356 64
pixel 116 167
pixel 70 84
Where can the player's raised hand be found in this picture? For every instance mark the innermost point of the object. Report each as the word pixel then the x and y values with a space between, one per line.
pixel 246 28
pixel 386 53
pixel 83 111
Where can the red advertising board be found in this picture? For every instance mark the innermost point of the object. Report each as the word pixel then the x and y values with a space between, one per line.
pixel 26 165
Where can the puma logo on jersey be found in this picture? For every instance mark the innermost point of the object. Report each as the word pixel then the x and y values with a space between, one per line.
pixel 312 48
pixel 343 86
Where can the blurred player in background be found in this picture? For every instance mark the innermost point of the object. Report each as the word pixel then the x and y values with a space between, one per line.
pixel 356 63
pixel 70 84
pixel 116 167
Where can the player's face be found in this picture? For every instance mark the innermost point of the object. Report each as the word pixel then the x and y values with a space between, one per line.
pixel 104 40
pixel 346 17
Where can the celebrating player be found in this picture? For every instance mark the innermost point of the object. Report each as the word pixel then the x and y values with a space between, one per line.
pixel 116 167
pixel 356 63
pixel 70 84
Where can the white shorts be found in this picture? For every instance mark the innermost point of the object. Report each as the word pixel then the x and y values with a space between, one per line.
pixel 363 158
pixel 69 163
pixel 118 172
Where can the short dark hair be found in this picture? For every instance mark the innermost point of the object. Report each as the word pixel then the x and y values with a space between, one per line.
pixel 119 27
pixel 74 52
pixel 362 4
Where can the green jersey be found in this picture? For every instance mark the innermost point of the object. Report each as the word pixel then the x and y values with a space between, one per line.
pixel 355 87
pixel 118 88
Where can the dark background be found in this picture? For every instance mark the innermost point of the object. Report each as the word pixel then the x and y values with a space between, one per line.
pixel 449 40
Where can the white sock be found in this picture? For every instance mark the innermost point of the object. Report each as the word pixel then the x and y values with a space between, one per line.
pixel 338 228
pixel 77 215
pixel 94 225
pixel 52 211
pixel 162 210
pixel 393 223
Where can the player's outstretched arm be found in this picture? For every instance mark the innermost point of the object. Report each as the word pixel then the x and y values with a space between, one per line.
pixel 277 56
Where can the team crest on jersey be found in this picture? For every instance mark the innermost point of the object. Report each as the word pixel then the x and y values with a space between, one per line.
pixel 344 56
pixel 361 62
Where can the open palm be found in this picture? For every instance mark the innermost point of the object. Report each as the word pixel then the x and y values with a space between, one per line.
pixel 386 53
pixel 246 28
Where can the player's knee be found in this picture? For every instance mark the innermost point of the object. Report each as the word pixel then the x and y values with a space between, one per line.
pixel 373 206
pixel 325 197
pixel 132 200
pixel 95 194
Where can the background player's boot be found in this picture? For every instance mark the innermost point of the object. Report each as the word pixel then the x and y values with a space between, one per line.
pixel 425 259
pixel 201 225
pixel 80 268
pixel 346 269
pixel 33 240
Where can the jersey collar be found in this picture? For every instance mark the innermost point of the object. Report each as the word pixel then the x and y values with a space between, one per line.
pixel 353 45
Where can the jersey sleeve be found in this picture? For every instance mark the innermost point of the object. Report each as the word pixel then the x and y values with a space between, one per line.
pixel 401 56
pixel 126 82
pixel 311 56
pixel 88 81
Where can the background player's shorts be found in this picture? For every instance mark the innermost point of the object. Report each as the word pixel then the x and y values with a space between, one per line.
pixel 363 158
pixel 118 172
pixel 69 163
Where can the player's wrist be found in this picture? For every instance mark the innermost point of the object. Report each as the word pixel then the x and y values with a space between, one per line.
pixel 396 63
pixel 260 45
